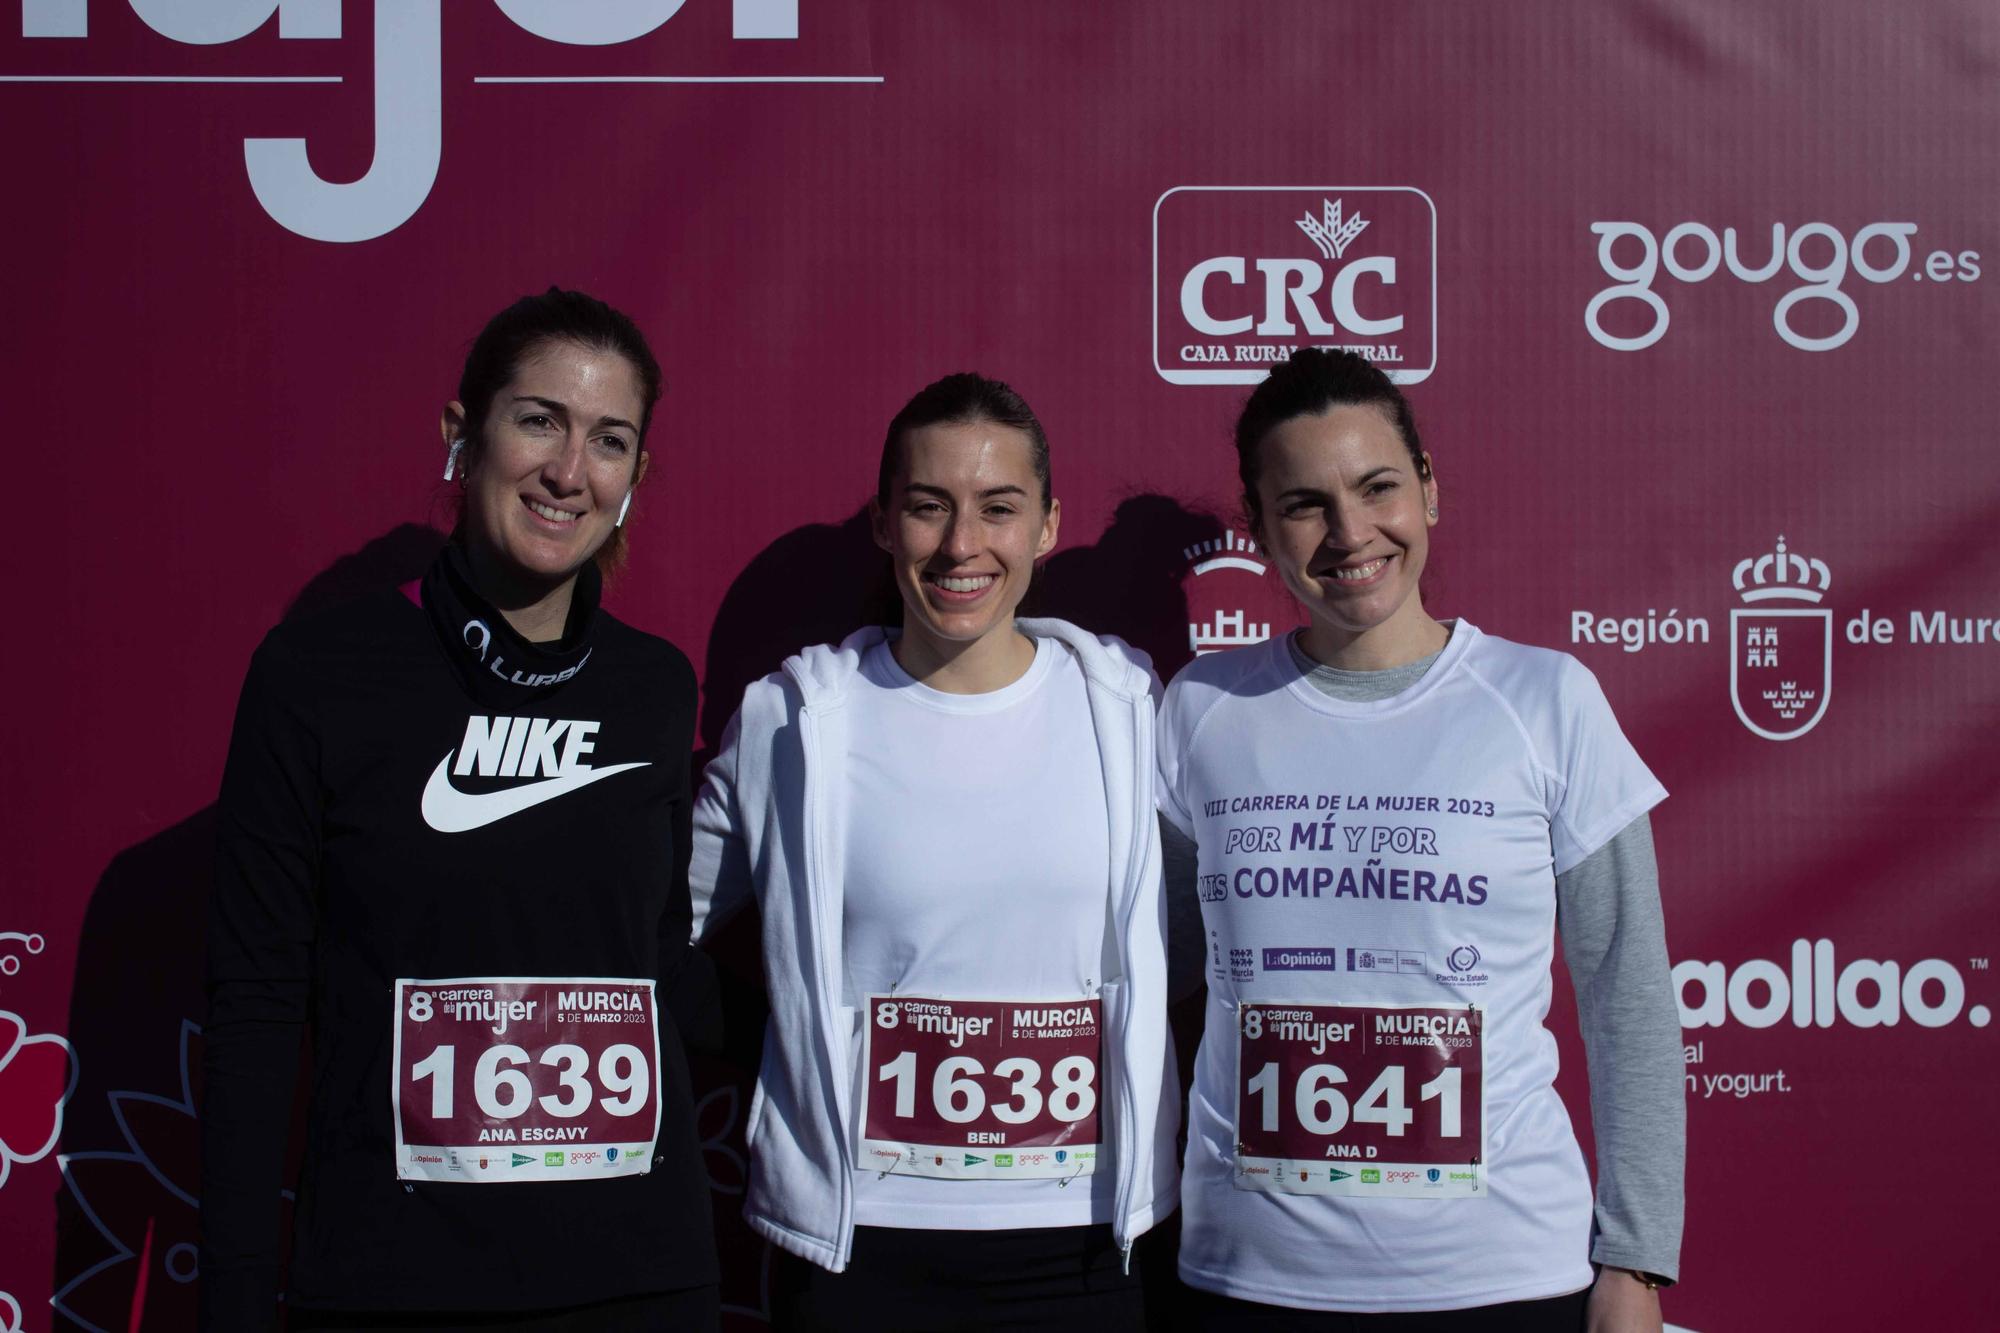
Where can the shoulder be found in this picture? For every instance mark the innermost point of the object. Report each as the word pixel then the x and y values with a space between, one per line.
pixel 634 649
pixel 1204 683
pixel 367 627
pixel 1236 671
pixel 1105 658
pixel 1548 690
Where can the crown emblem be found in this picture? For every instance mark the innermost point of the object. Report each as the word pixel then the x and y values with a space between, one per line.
pixel 1781 573
pixel 1333 235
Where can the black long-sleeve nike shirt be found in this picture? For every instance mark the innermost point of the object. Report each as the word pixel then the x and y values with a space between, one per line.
pixel 384 815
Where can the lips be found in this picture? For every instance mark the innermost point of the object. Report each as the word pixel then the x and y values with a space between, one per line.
pixel 549 514
pixel 960 589
pixel 1356 574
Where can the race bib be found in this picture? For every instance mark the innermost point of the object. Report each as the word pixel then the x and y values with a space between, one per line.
pixel 525 1078
pixel 981 1089
pixel 1360 1099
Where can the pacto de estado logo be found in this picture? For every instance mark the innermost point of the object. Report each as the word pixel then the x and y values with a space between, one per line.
pixel 1243 276
pixel 408 79
pixel 1817 254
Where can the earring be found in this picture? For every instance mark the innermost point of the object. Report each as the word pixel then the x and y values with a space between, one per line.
pixel 451 459
pixel 623 510
pixel 1434 511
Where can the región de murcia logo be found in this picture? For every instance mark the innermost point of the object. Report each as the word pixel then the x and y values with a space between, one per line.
pixel 1781 656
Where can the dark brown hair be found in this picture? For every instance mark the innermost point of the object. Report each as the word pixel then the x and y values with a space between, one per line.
pixel 1311 382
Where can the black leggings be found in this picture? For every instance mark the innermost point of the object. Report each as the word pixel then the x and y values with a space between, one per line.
pixel 695 1310
pixel 1224 1314
pixel 1063 1279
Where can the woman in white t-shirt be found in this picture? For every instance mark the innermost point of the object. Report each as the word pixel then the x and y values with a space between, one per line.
pixel 965 1113
pixel 1385 817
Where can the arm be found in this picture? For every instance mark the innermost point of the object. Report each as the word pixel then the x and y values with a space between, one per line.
pixel 719 882
pixel 688 988
pixel 262 920
pixel 1614 941
pixel 1179 857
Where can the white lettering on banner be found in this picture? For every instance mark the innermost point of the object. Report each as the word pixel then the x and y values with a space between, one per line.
pixel 1822 280
pixel 408 75
pixel 1865 993
pixel 1227 267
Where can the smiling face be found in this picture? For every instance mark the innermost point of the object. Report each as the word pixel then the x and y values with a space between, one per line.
pixel 964 523
pixel 1347 519
pixel 557 455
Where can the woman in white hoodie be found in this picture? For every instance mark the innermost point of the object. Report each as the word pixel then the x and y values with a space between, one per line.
pixel 966 1109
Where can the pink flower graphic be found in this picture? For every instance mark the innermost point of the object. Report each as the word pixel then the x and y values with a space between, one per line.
pixel 37 1076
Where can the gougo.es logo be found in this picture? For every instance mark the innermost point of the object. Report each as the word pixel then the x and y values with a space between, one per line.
pixel 408 78
pixel 1817 254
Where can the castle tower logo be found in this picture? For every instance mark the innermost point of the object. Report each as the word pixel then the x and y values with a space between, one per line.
pixel 1780 656
pixel 1233 599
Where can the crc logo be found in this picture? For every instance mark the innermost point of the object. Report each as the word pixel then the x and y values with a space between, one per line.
pixel 1243 276
pixel 1816 254
pixel 408 80
pixel 1780 657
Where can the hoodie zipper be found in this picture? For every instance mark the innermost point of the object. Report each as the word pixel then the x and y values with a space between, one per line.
pixel 1127 1100
pixel 836 1047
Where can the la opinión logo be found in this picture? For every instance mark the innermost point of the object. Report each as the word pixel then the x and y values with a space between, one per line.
pixel 1817 254
pixel 408 75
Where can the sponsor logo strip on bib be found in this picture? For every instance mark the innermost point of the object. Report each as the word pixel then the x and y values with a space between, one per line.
pixel 1382 1100
pixel 525 1078
pixel 981 1089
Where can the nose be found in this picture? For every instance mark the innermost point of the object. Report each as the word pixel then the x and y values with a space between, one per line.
pixel 1347 526
pixel 961 538
pixel 567 470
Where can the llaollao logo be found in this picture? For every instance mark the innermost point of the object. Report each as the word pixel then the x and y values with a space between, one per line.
pixel 1243 276
pixel 1819 990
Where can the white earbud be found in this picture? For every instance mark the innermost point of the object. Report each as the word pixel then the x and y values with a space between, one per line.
pixel 624 509
pixel 451 459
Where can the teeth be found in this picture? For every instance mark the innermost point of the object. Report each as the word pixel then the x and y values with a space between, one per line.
pixel 1360 571
pixel 963 585
pixel 552 515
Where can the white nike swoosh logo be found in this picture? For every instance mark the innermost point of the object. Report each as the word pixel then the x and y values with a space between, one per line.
pixel 449 810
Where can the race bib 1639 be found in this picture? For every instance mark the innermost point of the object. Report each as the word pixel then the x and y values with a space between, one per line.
pixel 525 1078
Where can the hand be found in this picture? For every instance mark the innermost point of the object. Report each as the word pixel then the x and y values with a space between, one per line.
pixel 1621 1303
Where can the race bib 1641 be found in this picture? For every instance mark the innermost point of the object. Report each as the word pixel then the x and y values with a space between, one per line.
pixel 1384 1100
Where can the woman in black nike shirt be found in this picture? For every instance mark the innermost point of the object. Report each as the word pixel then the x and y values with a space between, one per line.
pixel 454 837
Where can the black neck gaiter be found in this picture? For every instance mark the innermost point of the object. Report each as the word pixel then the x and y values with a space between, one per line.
pixel 498 667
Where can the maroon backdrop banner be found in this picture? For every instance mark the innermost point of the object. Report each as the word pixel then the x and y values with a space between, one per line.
pixel 1691 299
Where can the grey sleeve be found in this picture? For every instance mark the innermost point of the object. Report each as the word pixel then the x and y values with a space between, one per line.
pixel 1614 940
pixel 1179 859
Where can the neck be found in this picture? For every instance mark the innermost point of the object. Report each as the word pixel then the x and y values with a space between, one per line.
pixel 536 610
pixel 991 662
pixel 1402 639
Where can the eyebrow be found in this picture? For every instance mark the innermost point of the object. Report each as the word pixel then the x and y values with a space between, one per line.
pixel 1373 473
pixel 944 494
pixel 555 405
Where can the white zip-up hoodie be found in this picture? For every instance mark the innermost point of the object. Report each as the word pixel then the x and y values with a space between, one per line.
pixel 772 820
